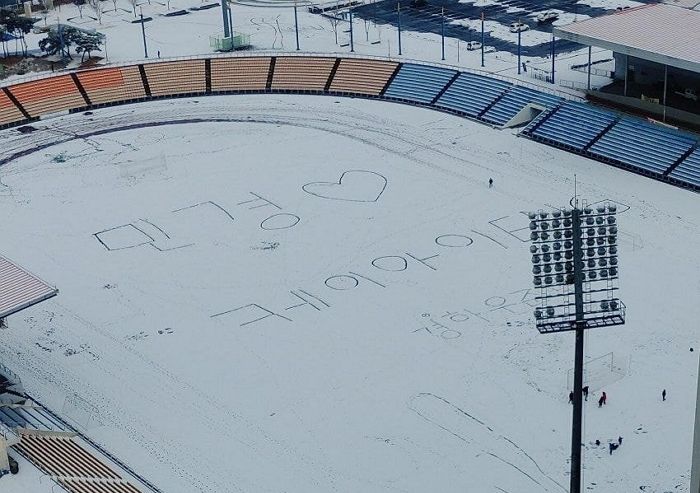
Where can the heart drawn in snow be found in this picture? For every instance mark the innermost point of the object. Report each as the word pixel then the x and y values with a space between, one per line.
pixel 353 186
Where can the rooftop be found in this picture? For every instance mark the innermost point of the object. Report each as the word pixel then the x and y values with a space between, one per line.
pixel 643 32
pixel 20 289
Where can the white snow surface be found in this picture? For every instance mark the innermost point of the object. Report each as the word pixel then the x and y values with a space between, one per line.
pixel 401 355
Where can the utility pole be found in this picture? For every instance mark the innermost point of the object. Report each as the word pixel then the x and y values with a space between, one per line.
pixel 398 11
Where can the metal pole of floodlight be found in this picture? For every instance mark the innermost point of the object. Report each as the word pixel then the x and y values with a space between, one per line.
pixel 482 38
pixel 519 38
pixel 443 33
pixel 352 39
pixel 296 24
pixel 695 470
pixel 143 34
pixel 224 13
pixel 574 255
pixel 398 13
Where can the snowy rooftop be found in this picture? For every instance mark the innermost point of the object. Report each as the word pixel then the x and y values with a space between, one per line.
pixel 643 32
pixel 19 289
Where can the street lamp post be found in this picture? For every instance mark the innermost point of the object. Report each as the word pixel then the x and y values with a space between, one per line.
pixel 143 34
pixel 575 271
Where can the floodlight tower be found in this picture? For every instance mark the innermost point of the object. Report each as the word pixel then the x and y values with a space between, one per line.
pixel 574 264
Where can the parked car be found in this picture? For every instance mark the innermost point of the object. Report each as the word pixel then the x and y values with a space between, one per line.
pixel 518 27
pixel 547 17
pixel 473 45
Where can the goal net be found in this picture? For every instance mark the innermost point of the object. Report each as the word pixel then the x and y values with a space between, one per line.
pixel 600 372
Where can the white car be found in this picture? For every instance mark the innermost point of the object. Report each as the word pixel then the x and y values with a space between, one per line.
pixel 549 16
pixel 473 45
pixel 518 27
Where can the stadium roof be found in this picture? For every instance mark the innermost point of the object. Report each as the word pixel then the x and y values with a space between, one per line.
pixel 660 33
pixel 20 289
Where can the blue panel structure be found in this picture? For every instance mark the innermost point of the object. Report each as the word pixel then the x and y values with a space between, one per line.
pixel 472 94
pixel 688 171
pixel 33 418
pixel 515 100
pixel 644 146
pixel 574 125
pixel 419 83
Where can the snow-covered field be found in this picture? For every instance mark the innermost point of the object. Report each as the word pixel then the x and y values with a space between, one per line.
pixel 317 294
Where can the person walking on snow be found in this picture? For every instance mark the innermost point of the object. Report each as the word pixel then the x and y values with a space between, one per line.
pixel 605 398
pixel 600 401
pixel 490 182
pixel 663 395
pixel 619 440
pixel 585 392
pixel 613 446
pixel 571 397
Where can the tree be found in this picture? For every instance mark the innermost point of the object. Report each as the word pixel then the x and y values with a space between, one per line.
pixel 59 40
pixel 86 43
pixel 96 5
pixel 81 5
pixel 16 25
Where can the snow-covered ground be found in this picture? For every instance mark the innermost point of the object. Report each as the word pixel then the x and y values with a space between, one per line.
pixel 315 294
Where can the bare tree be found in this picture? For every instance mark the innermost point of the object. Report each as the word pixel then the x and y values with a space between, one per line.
pixel 97 6
pixel 133 4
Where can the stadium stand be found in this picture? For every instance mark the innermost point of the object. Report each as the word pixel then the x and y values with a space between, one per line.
pixel 176 78
pixel 109 85
pixel 514 100
pixel 27 417
pixel 573 125
pixel 634 144
pixel 61 456
pixel 9 113
pixel 301 73
pixel 362 76
pixel 45 96
pixel 239 74
pixel 643 146
pixel 688 171
pixel 471 94
pixel 419 83
pixel 96 486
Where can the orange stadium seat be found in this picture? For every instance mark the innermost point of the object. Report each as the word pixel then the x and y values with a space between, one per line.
pixel 96 486
pixel 239 74
pixel 61 456
pixel 302 73
pixel 51 95
pixel 359 76
pixel 179 77
pixel 111 85
pixel 9 113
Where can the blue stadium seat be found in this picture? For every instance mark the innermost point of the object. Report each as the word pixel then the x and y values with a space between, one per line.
pixel 472 94
pixel 515 100
pixel 419 83
pixel 688 170
pixel 574 125
pixel 645 146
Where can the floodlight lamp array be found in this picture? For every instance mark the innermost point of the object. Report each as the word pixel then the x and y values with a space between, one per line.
pixel 552 235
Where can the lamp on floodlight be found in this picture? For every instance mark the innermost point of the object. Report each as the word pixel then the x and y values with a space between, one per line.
pixel 575 271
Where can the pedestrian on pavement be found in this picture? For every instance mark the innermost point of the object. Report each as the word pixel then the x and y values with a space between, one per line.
pixel 585 392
